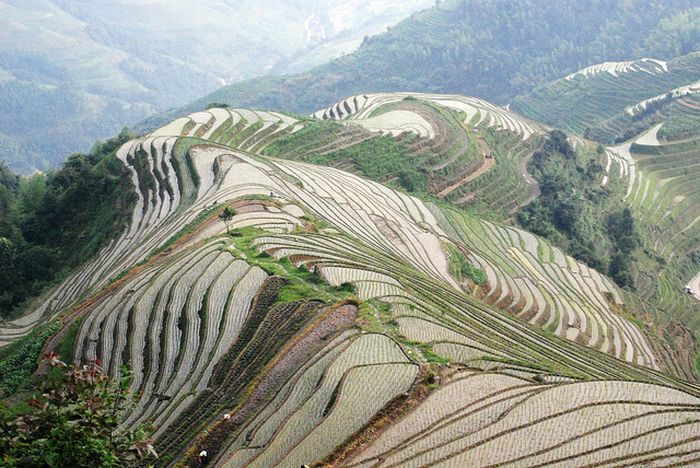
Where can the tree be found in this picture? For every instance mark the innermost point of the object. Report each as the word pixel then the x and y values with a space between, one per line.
pixel 73 422
pixel 213 105
pixel 411 180
pixel 8 255
pixel 226 216
pixel 558 141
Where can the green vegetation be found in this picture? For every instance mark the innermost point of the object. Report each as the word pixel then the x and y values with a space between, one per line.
pixel 625 238
pixel 407 162
pixel 664 199
pixel 502 190
pixel 461 268
pixel 212 105
pixel 596 106
pixel 226 216
pixel 431 356
pixel 491 49
pixel 73 422
pixel 65 347
pixel 301 284
pixel 49 224
pixel 191 227
pixel 680 113
pixel 679 127
pixel 473 166
pixel 680 117
pixel 397 161
pixel 675 35
pixel 573 209
pixel 19 360
pixel 42 123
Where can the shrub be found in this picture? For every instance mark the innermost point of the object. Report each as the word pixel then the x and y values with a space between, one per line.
pixel 73 422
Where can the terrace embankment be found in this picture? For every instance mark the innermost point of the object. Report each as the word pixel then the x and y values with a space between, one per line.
pixel 330 322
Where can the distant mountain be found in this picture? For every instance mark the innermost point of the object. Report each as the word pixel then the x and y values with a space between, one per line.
pixel 74 71
pixel 596 100
pixel 493 49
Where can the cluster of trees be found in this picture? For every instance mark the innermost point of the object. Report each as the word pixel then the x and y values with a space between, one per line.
pixel 573 210
pixel 677 35
pixel 50 223
pixel 626 239
pixel 679 126
pixel 41 125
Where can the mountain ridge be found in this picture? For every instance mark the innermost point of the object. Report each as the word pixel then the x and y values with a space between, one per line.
pixel 82 68
pixel 476 63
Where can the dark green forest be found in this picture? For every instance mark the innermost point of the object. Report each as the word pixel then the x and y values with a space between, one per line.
pixel 494 49
pixel 579 215
pixel 51 223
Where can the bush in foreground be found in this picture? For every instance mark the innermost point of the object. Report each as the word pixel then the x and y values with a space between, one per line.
pixel 73 422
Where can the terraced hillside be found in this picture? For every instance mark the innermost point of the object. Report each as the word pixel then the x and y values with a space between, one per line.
pixel 336 319
pixel 650 110
pixel 463 150
pixel 591 100
pixel 568 424
pixel 542 285
pixel 664 198
pixel 678 107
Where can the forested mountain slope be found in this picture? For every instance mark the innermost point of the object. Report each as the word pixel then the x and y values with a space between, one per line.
pixel 492 49
pixel 336 319
pixel 73 71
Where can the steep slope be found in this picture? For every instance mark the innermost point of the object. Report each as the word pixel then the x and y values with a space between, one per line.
pixel 516 287
pixel 338 305
pixel 677 107
pixel 463 150
pixel 490 49
pixel 72 72
pixel 664 198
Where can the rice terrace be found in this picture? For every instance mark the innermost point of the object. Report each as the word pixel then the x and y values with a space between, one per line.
pixel 313 270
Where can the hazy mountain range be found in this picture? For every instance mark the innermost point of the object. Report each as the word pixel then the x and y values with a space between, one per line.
pixel 74 71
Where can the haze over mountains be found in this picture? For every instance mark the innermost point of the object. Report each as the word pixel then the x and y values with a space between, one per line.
pixel 74 71
pixel 494 50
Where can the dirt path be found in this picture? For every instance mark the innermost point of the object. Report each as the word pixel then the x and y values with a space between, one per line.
pixel 487 164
